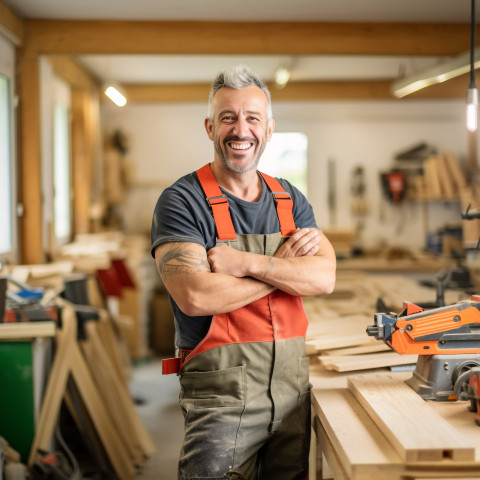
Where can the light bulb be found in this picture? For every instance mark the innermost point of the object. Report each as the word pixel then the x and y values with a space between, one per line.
pixel 115 96
pixel 282 76
pixel 472 109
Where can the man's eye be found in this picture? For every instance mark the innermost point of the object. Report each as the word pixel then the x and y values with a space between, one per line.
pixel 227 119
pixel 254 119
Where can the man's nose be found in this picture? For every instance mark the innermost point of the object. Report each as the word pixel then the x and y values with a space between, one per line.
pixel 241 127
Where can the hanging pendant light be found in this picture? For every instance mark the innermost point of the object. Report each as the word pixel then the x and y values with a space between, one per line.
pixel 472 93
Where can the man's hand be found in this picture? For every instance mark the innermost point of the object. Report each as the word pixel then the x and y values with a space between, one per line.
pixel 303 242
pixel 225 259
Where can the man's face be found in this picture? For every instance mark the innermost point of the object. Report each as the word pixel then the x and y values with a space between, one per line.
pixel 240 128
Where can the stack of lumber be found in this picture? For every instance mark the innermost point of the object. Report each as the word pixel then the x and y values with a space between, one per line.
pixel 376 426
pixel 336 336
pixel 342 240
pixel 442 179
pixel 94 253
pixel 89 373
pixel 94 366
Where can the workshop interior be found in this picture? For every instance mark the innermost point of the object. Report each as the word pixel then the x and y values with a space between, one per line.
pixel 102 107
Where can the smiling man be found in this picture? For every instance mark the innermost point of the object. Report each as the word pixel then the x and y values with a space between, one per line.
pixel 237 250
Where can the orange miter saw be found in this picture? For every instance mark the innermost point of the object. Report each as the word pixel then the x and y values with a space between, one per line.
pixel 447 340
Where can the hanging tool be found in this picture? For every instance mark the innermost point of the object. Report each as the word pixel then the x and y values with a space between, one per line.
pixel 394 185
pixel 446 340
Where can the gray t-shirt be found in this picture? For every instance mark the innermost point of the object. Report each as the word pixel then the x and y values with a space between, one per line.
pixel 182 214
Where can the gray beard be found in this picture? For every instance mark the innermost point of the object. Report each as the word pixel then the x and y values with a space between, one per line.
pixel 231 166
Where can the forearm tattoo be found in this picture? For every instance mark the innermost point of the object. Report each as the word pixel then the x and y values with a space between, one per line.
pixel 182 259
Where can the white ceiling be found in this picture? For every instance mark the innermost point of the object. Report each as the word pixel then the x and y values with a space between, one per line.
pixel 436 11
pixel 201 68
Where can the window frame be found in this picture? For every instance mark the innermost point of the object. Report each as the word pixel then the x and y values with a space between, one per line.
pixel 7 70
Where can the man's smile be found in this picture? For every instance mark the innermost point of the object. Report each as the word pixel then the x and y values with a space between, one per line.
pixel 240 145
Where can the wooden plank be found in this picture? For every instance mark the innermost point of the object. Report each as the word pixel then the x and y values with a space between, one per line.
pixel 112 345
pixel 361 447
pixel 350 363
pixel 432 178
pixel 416 431
pixel 334 463
pixel 342 341
pixel 112 442
pixel 369 348
pixel 462 420
pixel 27 330
pixel 57 382
pixel 455 171
pixel 181 37
pixel 446 182
pixel 116 394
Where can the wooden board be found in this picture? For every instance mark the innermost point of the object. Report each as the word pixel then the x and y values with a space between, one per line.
pixel 334 463
pixel 348 426
pixel 26 330
pixel 416 431
pixel 370 361
pixel 360 350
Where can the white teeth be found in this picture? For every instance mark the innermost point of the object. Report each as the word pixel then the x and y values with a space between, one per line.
pixel 240 146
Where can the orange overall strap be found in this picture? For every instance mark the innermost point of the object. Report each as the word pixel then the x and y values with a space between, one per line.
pixel 218 203
pixel 284 205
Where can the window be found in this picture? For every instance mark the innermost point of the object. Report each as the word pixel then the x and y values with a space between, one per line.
pixel 8 225
pixel 6 230
pixel 61 172
pixel 286 157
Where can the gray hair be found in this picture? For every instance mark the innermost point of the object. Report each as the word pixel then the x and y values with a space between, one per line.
pixel 239 76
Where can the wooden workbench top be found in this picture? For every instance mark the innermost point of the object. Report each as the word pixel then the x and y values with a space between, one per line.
pixel 358 446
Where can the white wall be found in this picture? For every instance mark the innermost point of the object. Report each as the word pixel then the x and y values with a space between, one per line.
pixel 168 141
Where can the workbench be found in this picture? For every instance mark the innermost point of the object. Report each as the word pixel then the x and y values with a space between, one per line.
pixel 356 446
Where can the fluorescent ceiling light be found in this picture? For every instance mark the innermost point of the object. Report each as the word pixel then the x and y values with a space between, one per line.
pixel 282 76
pixel 437 74
pixel 115 95
pixel 472 109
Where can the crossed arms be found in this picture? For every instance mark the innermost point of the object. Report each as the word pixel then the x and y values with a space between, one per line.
pixel 225 279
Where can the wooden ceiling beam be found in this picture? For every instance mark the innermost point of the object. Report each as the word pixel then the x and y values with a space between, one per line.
pixel 11 25
pixel 296 91
pixel 267 38
pixel 72 72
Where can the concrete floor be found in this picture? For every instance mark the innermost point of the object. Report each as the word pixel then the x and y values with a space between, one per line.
pixel 161 414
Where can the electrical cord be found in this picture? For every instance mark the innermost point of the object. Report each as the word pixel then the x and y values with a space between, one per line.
pixel 76 473
pixel 472 45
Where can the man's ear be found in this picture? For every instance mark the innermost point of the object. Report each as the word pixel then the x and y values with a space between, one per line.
pixel 209 128
pixel 270 129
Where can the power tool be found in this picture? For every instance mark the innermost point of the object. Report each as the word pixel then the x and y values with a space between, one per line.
pixel 446 340
pixel 474 393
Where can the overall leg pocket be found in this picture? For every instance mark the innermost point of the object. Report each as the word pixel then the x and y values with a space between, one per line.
pixel 216 388
pixel 213 403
